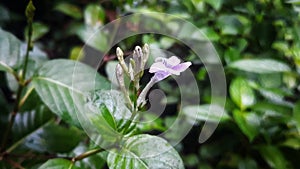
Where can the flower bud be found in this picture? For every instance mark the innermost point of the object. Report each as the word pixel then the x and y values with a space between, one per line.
pixel 120 54
pixel 138 58
pixel 120 76
pixel 131 69
pixel 29 12
pixel 146 50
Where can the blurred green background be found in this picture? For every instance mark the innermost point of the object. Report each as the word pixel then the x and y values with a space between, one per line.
pixel 258 44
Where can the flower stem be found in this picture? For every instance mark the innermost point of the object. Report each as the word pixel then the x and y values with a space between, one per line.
pixel 142 97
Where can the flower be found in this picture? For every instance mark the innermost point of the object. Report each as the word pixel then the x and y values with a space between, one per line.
pixel 165 67
pixel 162 68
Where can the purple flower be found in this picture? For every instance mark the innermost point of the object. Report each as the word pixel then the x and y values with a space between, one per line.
pixel 165 67
pixel 162 68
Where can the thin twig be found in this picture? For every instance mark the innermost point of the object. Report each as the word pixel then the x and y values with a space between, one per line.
pixel 86 154
pixel 14 164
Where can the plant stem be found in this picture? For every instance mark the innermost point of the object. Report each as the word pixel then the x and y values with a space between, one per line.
pixel 28 49
pixel 21 81
pixel 86 154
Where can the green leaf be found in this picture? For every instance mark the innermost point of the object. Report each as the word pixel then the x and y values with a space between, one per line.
pixel 249 123
pixel 296 115
pixel 292 142
pixel 30 120
pixel 241 93
pixel 150 121
pixel 295 2
pixel 229 24
pixel 58 87
pixel 94 15
pixel 10 51
pixel 108 113
pixel 143 152
pixel 36 58
pixel 207 112
pixel 271 109
pixel 273 156
pixel 276 95
pixel 93 37
pixel 260 66
pixel 198 4
pixel 216 4
pixel 76 53
pixel 53 139
pixel 166 42
pixel 38 31
pixel 107 116
pixel 69 9
pixel 58 163
pixel 210 33
pixel 5 67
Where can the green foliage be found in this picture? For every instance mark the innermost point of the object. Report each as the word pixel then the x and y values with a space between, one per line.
pixel 260 66
pixel 211 113
pixel 10 57
pixel 58 164
pixel 241 93
pixel 53 139
pixel 57 87
pixel 145 151
pixel 41 115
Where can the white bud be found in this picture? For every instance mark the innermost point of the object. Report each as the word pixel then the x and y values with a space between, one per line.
pixel 120 76
pixel 120 54
pixel 146 50
pixel 131 69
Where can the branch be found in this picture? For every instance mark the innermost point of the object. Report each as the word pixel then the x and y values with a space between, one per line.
pixel 86 154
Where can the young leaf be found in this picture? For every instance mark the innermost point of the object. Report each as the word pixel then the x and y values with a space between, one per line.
pixel 115 104
pixel 58 163
pixel 248 122
pixel 69 9
pixel 107 116
pixel 143 152
pixel 59 87
pixel 241 93
pixel 260 66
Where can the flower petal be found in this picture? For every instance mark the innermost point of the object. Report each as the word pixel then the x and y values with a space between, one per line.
pixel 173 61
pixel 158 66
pixel 158 76
pixel 182 67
